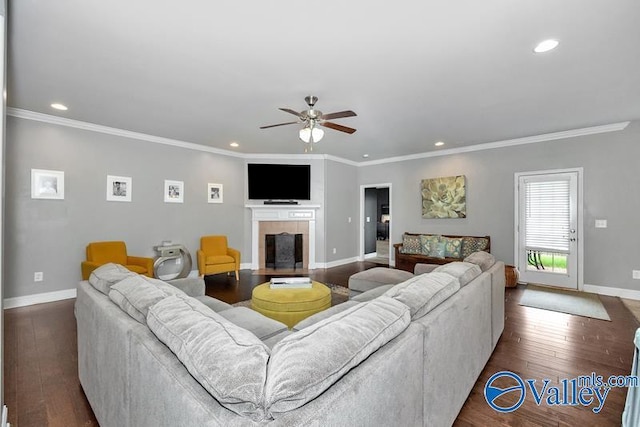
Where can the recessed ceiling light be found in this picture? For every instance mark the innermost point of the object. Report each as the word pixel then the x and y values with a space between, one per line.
pixel 439 144
pixel 366 156
pixel 234 144
pixel 546 46
pixel 58 106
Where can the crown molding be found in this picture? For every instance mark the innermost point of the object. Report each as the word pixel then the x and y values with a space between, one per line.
pixel 506 143
pixel 47 118
pixel 77 124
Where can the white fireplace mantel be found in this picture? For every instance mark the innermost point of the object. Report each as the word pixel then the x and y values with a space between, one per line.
pixel 282 213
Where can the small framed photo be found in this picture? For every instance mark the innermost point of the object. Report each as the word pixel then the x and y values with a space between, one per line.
pixel 46 184
pixel 173 191
pixel 214 193
pixel 119 188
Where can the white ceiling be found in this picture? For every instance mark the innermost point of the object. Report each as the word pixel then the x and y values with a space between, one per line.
pixel 415 72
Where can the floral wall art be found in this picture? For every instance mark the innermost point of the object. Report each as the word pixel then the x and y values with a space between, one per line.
pixel 444 197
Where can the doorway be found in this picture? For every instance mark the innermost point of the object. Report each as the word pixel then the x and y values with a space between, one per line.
pixel 548 232
pixel 375 223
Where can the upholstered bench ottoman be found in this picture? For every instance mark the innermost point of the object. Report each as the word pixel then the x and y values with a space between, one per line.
pixel 374 277
pixel 290 306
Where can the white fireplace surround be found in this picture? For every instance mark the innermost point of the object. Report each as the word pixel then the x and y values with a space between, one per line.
pixel 282 213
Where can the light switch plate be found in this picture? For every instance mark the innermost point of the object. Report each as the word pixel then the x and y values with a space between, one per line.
pixel 635 274
pixel 601 223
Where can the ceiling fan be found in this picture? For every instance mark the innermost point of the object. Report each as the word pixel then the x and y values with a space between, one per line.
pixel 312 119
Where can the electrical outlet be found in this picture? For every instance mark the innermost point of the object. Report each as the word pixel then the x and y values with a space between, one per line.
pixel 38 276
pixel 349 220
pixel 334 250
pixel 368 219
pixel 635 274
pixel 601 223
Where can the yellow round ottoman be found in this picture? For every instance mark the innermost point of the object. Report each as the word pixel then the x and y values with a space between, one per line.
pixel 290 306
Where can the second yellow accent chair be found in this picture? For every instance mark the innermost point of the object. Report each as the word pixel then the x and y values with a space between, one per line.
pixel 215 256
pixel 99 253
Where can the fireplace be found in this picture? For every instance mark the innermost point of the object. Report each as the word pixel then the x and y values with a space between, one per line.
pixel 283 250
pixel 291 219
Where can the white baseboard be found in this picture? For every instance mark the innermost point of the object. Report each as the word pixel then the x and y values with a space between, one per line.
pixel 39 298
pixel 371 255
pixel 336 263
pixel 612 292
pixel 246 266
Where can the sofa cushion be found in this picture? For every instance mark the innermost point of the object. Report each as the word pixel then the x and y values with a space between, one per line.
pixel 134 295
pixel 103 277
pixel 425 292
pixel 219 259
pixel 411 244
pixel 473 244
pixel 482 259
pixel 254 322
pixel 228 361
pixel 463 271
pixel 214 304
pixel 306 363
pixel 377 276
pixel 453 247
pixel 312 320
pixel 371 294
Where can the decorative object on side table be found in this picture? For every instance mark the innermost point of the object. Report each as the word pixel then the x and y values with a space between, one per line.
pixel 176 252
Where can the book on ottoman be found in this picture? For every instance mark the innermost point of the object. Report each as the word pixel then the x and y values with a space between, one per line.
pixel 290 282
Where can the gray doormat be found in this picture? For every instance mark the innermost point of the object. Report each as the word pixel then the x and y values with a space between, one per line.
pixel 565 301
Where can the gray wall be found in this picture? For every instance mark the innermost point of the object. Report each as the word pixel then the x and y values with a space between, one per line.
pixel 611 184
pixel 341 203
pixel 51 235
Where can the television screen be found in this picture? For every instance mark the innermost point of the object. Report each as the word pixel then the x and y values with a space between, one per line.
pixel 279 182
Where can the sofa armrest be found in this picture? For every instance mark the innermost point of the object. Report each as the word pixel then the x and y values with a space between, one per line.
pixel 142 262
pixel 192 286
pixel 201 265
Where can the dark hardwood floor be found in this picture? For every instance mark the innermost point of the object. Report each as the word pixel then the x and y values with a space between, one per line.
pixel 42 389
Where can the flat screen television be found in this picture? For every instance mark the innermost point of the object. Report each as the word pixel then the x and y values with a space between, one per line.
pixel 279 182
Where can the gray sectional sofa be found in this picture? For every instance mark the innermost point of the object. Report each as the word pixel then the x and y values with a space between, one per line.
pixel 157 354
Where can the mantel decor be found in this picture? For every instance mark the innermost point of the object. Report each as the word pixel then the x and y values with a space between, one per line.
pixel 444 197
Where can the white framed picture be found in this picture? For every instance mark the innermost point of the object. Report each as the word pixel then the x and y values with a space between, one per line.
pixel 119 188
pixel 47 184
pixel 173 191
pixel 214 193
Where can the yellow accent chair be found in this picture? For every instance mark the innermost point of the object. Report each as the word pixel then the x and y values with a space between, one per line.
pixel 215 256
pixel 99 253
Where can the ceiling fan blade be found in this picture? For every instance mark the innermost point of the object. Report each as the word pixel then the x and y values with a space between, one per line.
pixel 336 126
pixel 290 111
pixel 338 115
pixel 279 124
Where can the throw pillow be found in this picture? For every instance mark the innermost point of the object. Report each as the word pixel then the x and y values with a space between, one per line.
pixel 105 276
pixel 411 244
pixel 427 240
pixel 227 360
pixel 425 292
pixel 303 365
pixel 482 259
pixel 437 249
pixel 463 271
pixel 134 295
pixel 453 246
pixel 473 244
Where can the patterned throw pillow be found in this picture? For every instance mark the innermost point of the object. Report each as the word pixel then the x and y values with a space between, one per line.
pixel 437 249
pixel 453 246
pixel 473 244
pixel 411 244
pixel 427 241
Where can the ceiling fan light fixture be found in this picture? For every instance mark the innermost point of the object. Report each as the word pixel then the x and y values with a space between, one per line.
pixel 311 134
